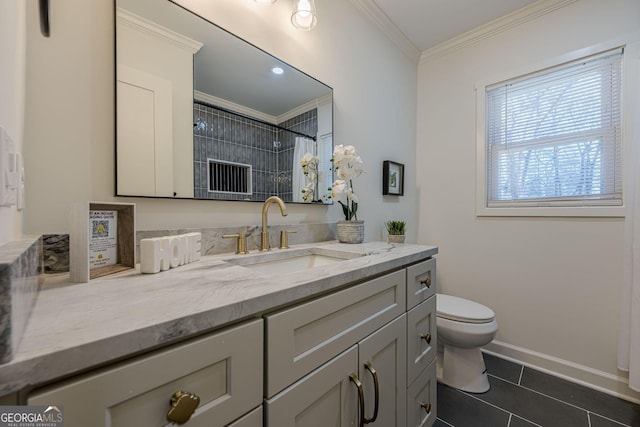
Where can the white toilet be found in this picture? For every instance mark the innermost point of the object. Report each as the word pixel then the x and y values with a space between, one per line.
pixel 463 327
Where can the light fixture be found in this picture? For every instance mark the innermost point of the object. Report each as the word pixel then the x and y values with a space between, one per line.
pixel 303 16
pixel 277 70
pixel 265 1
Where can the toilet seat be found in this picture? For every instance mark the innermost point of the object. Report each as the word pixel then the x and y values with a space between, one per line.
pixel 462 310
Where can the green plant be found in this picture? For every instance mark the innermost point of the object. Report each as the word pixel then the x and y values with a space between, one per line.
pixel 395 227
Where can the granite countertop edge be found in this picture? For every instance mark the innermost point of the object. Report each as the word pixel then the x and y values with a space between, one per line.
pixel 75 327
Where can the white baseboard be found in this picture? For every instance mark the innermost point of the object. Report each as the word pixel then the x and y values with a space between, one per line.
pixel 615 385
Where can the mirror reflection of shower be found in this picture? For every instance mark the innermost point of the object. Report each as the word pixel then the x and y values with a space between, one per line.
pixel 166 57
pixel 237 157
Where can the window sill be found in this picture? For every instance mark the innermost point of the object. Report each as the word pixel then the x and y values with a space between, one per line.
pixel 554 211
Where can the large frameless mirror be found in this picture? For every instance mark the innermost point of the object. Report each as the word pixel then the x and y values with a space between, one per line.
pixel 201 113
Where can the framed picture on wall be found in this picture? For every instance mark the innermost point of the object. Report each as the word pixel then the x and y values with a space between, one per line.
pixel 392 178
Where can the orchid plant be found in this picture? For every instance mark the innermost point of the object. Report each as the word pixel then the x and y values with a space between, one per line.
pixel 347 166
pixel 309 164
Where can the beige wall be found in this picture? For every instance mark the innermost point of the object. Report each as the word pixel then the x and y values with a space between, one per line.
pixel 553 282
pixel 70 145
pixel 12 86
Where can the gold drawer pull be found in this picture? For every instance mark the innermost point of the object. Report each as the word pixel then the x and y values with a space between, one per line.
pixel 426 337
pixel 426 282
pixel 426 407
pixel 183 405
pixel 354 379
pixel 369 367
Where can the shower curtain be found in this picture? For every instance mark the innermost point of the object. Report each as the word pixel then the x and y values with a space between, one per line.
pixel 298 180
pixel 629 334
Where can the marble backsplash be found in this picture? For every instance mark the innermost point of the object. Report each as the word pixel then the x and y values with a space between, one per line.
pixel 56 246
pixel 20 278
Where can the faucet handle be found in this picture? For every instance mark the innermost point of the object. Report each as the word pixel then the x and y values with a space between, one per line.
pixel 284 238
pixel 241 248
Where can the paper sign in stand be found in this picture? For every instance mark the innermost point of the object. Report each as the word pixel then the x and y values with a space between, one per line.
pixel 102 239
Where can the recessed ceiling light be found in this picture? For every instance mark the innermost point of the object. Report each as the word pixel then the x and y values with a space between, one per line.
pixel 277 70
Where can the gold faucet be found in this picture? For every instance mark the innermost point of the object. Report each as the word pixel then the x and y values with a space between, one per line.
pixel 265 228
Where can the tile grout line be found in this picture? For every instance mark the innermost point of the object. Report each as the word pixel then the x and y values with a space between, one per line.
pixel 509 421
pixel 447 423
pixel 521 373
pixel 586 411
pixel 589 413
pixel 487 403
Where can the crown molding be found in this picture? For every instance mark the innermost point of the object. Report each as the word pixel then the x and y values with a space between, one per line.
pixel 315 103
pixel 373 12
pixel 143 25
pixel 276 120
pixel 214 100
pixel 497 26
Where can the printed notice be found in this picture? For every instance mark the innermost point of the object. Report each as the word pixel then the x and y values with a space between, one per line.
pixel 103 238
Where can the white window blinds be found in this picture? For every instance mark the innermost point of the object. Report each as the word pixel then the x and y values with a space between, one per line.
pixel 554 138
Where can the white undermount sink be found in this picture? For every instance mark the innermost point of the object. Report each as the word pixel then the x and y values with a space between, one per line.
pixel 284 262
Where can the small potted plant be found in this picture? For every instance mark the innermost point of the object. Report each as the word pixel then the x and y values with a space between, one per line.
pixel 396 231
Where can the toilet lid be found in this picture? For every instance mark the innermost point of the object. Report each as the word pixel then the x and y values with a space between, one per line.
pixel 462 310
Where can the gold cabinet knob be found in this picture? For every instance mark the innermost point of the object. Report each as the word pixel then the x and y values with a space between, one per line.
pixel 426 407
pixel 426 282
pixel 426 337
pixel 183 405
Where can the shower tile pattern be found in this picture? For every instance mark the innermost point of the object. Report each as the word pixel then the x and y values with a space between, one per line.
pixel 523 397
pixel 222 135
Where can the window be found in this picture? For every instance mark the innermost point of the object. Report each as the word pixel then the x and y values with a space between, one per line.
pixel 553 138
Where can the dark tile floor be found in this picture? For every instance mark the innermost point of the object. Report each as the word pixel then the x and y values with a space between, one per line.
pixel 523 397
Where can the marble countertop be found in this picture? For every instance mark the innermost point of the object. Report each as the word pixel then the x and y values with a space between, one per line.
pixel 74 327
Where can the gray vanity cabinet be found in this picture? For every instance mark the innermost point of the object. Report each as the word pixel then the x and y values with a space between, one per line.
pixel 422 344
pixel 313 366
pixel 385 353
pixel 421 282
pixel 324 398
pixel 224 369
pixel 304 337
pixel 330 395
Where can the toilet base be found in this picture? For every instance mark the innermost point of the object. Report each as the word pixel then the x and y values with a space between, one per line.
pixel 462 368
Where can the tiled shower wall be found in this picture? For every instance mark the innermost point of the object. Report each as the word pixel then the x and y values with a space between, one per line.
pixel 222 135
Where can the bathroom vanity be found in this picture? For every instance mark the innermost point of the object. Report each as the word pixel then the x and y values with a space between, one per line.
pixel 254 340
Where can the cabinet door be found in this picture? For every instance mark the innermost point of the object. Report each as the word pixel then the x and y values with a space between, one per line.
pixel 324 398
pixel 422 399
pixel 302 338
pixel 252 419
pixel 224 369
pixel 421 337
pixel 385 353
pixel 421 282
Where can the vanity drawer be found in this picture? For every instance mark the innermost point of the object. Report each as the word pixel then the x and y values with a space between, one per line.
pixel 421 337
pixel 224 369
pixel 421 282
pixel 422 401
pixel 302 338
